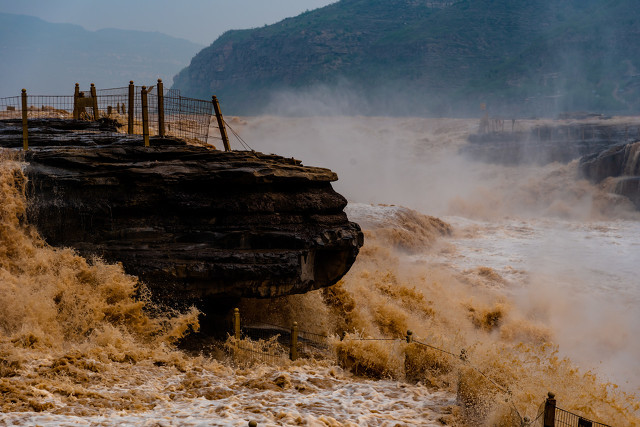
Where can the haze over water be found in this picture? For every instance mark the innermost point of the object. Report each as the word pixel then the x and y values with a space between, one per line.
pixel 564 251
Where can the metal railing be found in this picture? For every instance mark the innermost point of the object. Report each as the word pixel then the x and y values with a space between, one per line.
pixel 552 416
pixel 269 343
pixel 135 110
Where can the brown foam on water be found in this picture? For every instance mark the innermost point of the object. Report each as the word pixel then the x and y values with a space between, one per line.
pixel 485 277
pixel 79 337
pixel 69 325
pixel 399 227
pixel 386 293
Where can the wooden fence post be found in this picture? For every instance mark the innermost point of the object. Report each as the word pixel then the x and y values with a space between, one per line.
pixel 550 411
pixel 25 126
pixel 293 351
pixel 76 107
pixel 160 108
pixel 131 107
pixel 236 323
pixel 223 130
pixel 94 102
pixel 145 116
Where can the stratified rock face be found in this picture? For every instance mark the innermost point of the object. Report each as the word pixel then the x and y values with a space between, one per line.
pixel 606 150
pixel 190 221
pixel 622 163
pixel 546 143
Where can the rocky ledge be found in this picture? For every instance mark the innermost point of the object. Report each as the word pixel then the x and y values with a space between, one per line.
pixel 191 221
pixel 547 143
pixel 621 165
pixel 608 151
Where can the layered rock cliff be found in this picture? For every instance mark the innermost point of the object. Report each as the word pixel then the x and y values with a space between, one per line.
pixel 191 221
pixel 620 164
pixel 607 151
pixel 547 143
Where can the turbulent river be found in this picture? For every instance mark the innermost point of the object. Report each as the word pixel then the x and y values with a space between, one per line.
pixel 530 269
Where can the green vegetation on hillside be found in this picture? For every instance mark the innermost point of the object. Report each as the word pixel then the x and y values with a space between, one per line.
pixel 435 57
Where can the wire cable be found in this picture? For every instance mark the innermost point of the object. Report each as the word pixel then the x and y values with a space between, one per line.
pixel 242 141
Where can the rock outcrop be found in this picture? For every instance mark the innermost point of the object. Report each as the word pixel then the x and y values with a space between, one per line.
pixel 192 222
pixel 621 164
pixel 548 143
pixel 608 151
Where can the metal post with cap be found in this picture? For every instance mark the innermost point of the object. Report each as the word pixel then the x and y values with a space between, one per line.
pixel 145 116
pixel 236 323
pixel 94 102
pixel 160 109
pixel 131 107
pixel 549 419
pixel 409 337
pixel 25 126
pixel 76 107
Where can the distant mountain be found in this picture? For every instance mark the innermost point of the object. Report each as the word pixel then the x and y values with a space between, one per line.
pixel 437 57
pixel 49 58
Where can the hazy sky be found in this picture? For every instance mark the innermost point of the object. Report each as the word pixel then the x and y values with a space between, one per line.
pixel 201 21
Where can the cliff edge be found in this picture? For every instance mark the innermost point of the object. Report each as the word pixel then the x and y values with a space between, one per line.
pixel 191 221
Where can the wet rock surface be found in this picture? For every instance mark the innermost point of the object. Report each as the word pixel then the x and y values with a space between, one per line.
pixel 607 151
pixel 620 164
pixel 192 222
pixel 548 143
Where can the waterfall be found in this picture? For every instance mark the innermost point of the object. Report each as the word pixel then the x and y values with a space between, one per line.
pixel 632 159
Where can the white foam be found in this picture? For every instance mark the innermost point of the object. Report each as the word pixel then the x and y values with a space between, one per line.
pixel 314 396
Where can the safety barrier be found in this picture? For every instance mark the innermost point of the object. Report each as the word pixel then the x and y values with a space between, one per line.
pixel 136 110
pixel 270 343
pixel 549 415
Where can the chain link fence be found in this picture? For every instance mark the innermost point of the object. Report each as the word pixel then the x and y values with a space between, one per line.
pixel 136 110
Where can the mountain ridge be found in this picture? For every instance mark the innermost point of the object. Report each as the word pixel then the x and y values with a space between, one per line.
pixel 48 58
pixel 433 60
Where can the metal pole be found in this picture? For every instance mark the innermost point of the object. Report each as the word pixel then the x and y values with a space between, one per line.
pixel 409 337
pixel 236 323
pixel 76 108
pixel 223 130
pixel 145 116
pixel 25 127
pixel 94 102
pixel 293 351
pixel 550 411
pixel 160 108
pixel 131 106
